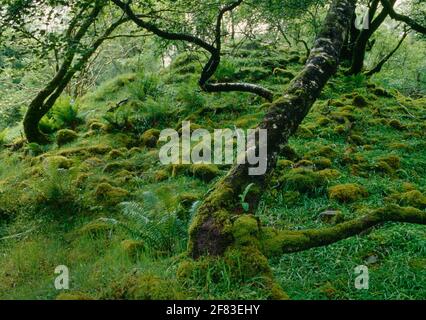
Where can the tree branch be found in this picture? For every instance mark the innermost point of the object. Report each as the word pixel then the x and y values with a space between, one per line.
pixel 399 17
pixel 284 241
pixel 380 65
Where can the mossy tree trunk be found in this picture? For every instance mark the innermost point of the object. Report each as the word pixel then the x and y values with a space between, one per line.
pixel 211 231
pixel 47 97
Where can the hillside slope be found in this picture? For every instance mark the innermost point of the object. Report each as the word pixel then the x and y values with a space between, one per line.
pixel 99 201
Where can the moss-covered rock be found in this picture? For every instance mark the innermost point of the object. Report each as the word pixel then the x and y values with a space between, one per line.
pixel 65 136
pixel 397 125
pixel 359 101
pixel 329 174
pixel 322 163
pixel 302 180
pixel 109 194
pixel 205 172
pixel 347 192
pixel 412 198
pixel 58 162
pixel 150 138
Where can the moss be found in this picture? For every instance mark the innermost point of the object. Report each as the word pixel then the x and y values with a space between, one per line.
pixel 150 138
pixel 304 132
pixel 205 172
pixel 322 163
pixel 380 92
pixel 151 287
pixel 356 140
pixel 65 136
pixel 323 121
pixel 289 153
pixel 331 216
pixel 97 127
pixel 397 125
pixel 245 230
pixel 109 194
pixel 58 162
pixel 413 198
pixel 302 180
pixel 283 73
pixel 93 162
pixel 304 164
pixel 132 247
pixel 161 175
pixel 324 151
pixel 347 192
pixel 336 103
pixel 114 154
pixel 329 174
pixel 118 165
pixel 387 165
pixel 283 164
pixel 73 296
pixel 99 149
pixel 359 101
pixel 187 199
pixel 247 262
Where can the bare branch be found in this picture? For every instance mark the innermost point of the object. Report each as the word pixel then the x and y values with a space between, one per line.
pixel 399 17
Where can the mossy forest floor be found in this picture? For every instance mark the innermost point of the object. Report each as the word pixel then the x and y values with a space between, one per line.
pixel 100 203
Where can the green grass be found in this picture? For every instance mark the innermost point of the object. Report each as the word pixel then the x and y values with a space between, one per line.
pixel 58 218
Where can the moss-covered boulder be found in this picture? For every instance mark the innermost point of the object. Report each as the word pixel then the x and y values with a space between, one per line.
pixel 150 138
pixel 302 180
pixel 205 172
pixel 109 194
pixel 65 136
pixel 412 198
pixel 58 162
pixel 347 192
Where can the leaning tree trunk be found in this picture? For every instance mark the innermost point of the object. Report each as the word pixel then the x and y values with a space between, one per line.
pixel 211 231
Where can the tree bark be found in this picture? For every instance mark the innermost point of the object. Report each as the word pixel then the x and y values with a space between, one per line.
pixel 46 98
pixel 211 230
pixel 364 36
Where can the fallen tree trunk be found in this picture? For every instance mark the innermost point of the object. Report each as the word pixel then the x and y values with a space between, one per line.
pixel 212 229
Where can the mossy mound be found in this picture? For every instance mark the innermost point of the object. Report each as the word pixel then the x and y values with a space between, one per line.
pixel 359 101
pixel 58 162
pixel 132 247
pixel 151 287
pixel 109 194
pixel 413 198
pixel 65 136
pixel 347 192
pixel 150 138
pixel 302 180
pixel 205 172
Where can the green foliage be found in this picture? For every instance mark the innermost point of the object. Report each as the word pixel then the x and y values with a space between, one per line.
pixel 163 231
pixel 64 114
